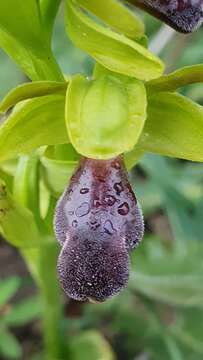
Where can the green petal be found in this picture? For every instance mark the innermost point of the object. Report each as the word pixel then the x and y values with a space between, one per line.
pixel 181 77
pixel 32 124
pixel 31 90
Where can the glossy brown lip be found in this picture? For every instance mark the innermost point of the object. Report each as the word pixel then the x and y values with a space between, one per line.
pixel 184 18
pixel 97 228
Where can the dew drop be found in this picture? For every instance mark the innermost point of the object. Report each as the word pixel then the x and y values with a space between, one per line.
pixel 123 209
pixel 108 227
pixel 96 203
pixel 84 190
pixel 109 200
pixel 118 187
pixel 74 223
pixel 83 209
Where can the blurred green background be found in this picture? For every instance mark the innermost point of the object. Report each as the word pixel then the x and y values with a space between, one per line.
pixel 160 314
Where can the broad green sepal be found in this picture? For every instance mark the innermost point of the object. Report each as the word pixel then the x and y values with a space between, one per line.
pixel 33 123
pixel 181 77
pixel 17 222
pixel 31 90
pixel 105 116
pixel 117 16
pixel 114 51
pixel 57 171
pixel 26 40
pixel 174 127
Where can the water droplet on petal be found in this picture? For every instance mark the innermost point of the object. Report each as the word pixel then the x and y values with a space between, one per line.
pixel 74 223
pixel 84 190
pixel 108 227
pixel 123 209
pixel 82 210
pixel 109 200
pixel 118 187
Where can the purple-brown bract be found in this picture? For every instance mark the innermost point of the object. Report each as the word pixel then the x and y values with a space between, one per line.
pixel 97 223
pixel 183 15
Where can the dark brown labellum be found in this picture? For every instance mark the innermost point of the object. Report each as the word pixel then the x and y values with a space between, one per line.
pixel 183 15
pixel 97 223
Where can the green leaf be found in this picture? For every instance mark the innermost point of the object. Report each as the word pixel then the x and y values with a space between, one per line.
pixel 168 276
pixel 8 288
pixel 174 127
pixel 26 27
pixel 23 37
pixel 57 172
pixel 48 10
pixel 32 124
pixel 105 117
pixel 31 90
pixel 188 330
pixel 90 346
pixel 17 222
pixel 114 51
pixel 24 312
pixel 117 16
pixel 177 79
pixel 9 345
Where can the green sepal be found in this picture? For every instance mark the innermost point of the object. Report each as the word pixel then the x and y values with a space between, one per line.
pixel 32 90
pixel 31 124
pixel 105 116
pixel 177 79
pixel 17 222
pixel 117 16
pixel 114 51
pixel 174 127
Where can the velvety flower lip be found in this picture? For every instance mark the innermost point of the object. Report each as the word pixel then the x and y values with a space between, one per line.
pixel 93 270
pixel 97 222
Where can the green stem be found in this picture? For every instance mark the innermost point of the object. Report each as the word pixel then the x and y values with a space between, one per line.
pixel 51 301
pixel 46 68
pixel 42 264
